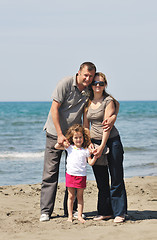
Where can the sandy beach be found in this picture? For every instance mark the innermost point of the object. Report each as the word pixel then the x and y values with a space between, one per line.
pixel 20 211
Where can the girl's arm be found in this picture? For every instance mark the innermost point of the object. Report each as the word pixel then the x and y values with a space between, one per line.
pixel 59 146
pixel 63 146
pixel 91 161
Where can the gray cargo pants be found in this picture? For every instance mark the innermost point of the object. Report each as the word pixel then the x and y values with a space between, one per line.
pixel 50 175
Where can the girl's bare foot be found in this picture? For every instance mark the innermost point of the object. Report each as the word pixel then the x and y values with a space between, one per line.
pixel 81 220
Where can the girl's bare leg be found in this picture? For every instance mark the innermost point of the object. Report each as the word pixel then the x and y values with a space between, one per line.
pixel 80 204
pixel 71 196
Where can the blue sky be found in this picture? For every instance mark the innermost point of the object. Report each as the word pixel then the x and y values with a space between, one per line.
pixel 43 41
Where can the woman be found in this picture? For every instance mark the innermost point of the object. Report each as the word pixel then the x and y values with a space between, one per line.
pixel 111 200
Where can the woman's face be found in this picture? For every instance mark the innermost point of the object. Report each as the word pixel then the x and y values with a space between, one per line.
pixel 98 85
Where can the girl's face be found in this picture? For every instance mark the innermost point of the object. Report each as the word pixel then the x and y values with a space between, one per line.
pixel 78 139
pixel 98 85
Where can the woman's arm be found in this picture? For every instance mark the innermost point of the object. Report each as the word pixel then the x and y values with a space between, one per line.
pixel 85 120
pixel 110 120
pixel 86 126
pixel 109 111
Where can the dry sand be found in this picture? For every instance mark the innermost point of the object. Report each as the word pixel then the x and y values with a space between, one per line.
pixel 20 211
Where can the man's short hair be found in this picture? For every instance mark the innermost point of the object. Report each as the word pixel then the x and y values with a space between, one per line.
pixel 89 65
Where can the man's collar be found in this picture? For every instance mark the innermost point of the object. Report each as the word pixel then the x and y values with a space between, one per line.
pixel 75 80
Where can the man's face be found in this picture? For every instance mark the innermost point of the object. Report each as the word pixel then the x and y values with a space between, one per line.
pixel 85 77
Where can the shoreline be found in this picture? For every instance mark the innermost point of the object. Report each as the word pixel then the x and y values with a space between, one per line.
pixel 20 212
pixel 89 179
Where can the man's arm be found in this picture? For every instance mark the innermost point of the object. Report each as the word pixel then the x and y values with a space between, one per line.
pixel 55 117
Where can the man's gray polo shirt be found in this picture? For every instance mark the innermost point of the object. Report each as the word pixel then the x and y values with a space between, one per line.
pixel 72 105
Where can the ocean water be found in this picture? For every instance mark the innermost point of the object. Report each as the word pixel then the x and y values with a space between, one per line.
pixel 22 140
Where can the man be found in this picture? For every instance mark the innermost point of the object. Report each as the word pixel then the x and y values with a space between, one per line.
pixel 69 99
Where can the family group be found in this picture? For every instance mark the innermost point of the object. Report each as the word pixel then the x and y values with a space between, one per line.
pixel 81 122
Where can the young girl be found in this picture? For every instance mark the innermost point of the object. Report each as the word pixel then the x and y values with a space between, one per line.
pixel 78 140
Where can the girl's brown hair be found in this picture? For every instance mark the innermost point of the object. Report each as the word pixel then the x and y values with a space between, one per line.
pixel 78 128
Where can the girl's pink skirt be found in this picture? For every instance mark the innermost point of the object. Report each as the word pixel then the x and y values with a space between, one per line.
pixel 75 181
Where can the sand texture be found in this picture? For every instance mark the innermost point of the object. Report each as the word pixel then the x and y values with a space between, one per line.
pixel 20 211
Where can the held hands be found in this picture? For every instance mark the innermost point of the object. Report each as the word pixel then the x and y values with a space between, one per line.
pixel 98 151
pixel 61 138
pixel 92 159
pixel 66 144
pixel 62 142
pixel 91 148
pixel 108 123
